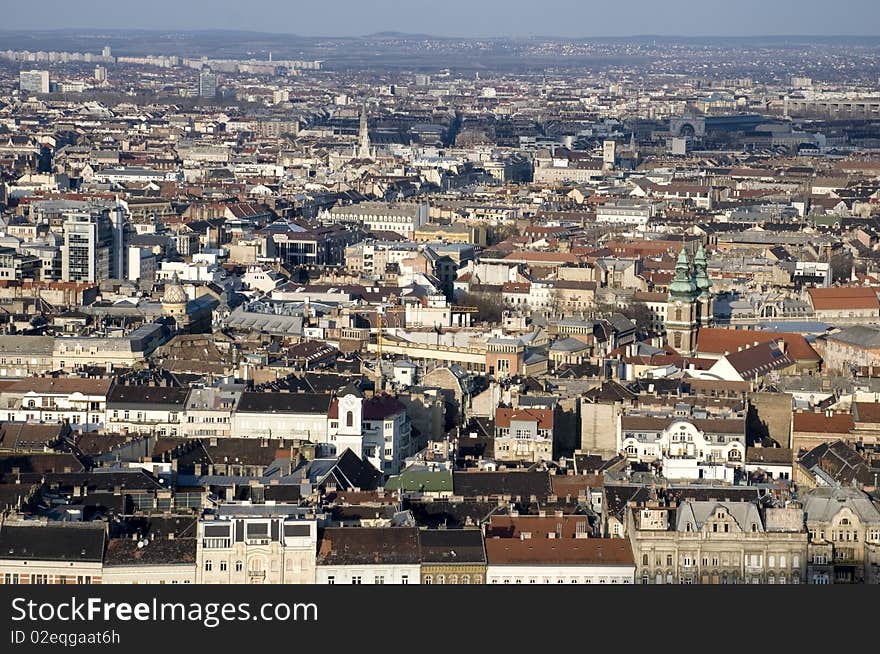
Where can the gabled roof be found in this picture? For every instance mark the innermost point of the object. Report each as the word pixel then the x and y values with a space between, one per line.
pixel 718 341
pixel 838 462
pixel 346 472
pixel 745 514
pixel 822 504
pixel 758 360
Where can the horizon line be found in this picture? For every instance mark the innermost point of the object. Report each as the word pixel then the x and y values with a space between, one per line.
pixel 437 36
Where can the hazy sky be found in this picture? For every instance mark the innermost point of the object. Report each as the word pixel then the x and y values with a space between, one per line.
pixel 459 17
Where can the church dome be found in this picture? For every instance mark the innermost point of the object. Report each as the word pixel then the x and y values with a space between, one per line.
pixel 174 293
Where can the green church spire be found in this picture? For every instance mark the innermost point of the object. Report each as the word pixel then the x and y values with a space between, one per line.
pixel 683 286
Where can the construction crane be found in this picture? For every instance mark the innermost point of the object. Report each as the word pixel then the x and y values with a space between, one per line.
pixel 380 312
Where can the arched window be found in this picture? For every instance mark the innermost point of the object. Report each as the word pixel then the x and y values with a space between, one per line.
pixel 349 419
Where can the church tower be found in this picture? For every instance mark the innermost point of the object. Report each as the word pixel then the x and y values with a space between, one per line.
pixel 364 136
pixel 350 432
pixel 706 300
pixel 681 308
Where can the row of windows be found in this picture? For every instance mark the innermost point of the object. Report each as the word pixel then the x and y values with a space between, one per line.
pixel 256 565
pixel 562 580
pixel 452 579
pixel 753 560
pixel 358 580
pixel 724 579
pixel 43 579
pixel 845 535
pixel 172 417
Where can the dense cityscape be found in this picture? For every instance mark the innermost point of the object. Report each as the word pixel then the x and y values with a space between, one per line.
pixel 405 309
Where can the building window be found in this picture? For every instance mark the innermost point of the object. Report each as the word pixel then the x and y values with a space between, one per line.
pixel 238 566
pixel 331 579
pixel 208 566
pixel 357 580
pixel 349 419
pixel 379 580
pixel 222 566
pixel 404 579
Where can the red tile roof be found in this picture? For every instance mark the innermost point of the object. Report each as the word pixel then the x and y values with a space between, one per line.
pixel 838 423
pixel 867 411
pixel 718 341
pixel 843 297
pixel 544 417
